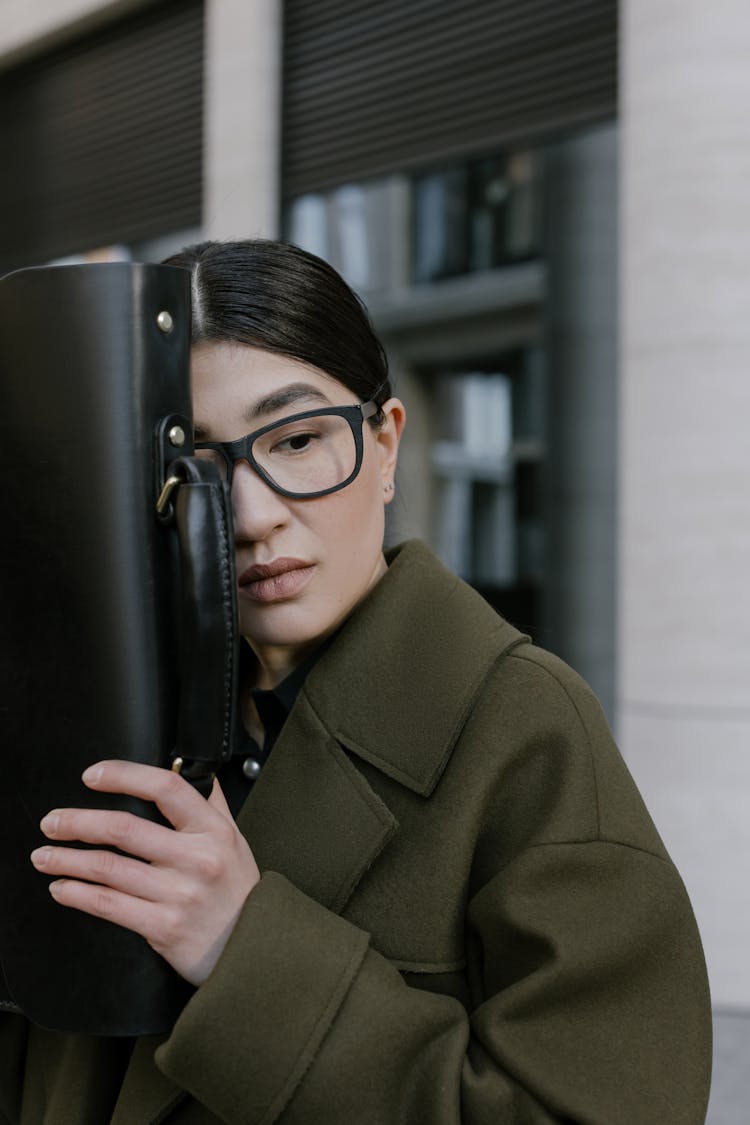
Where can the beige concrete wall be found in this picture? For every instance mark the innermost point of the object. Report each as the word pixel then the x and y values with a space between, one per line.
pixel 242 123
pixel 684 557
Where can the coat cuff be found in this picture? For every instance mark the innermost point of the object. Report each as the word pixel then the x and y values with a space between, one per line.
pixel 245 1039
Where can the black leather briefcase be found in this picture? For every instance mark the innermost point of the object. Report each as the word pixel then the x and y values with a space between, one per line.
pixel 117 621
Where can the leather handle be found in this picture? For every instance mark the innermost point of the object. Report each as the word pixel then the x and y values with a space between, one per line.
pixel 209 631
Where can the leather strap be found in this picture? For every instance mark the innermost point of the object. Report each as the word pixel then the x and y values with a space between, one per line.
pixel 209 642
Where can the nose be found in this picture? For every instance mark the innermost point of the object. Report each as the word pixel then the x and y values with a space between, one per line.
pixel 256 508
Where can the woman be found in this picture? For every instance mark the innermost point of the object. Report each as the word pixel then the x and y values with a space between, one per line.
pixel 442 899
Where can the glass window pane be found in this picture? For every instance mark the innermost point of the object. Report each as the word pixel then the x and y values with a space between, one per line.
pixel 504 213
pixel 522 221
pixel 350 223
pixel 489 213
pixel 487 446
pixel 441 224
pixel 308 224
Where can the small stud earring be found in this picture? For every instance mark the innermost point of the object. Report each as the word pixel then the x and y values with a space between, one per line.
pixel 388 488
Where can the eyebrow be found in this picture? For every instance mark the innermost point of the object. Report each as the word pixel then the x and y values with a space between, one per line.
pixel 295 392
pixel 287 396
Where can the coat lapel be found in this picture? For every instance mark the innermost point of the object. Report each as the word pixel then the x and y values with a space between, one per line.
pixel 386 691
pixel 311 815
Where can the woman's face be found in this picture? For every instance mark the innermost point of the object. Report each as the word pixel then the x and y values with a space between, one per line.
pixel 322 555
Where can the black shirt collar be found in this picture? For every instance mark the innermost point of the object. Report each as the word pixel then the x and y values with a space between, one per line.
pixel 273 706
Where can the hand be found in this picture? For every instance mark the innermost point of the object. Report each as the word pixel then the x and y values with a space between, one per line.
pixel 185 887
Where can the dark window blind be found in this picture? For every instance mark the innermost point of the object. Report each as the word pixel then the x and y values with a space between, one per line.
pixel 102 137
pixel 375 87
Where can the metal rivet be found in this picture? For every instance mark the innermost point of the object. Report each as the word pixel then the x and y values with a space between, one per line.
pixel 251 768
pixel 165 321
pixel 177 436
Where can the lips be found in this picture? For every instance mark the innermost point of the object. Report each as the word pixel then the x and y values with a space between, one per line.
pixel 275 581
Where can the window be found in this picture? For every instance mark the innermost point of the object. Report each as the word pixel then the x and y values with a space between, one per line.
pixel 358 228
pixel 486 456
pixel 476 216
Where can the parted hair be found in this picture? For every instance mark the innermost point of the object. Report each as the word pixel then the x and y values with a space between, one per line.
pixel 274 295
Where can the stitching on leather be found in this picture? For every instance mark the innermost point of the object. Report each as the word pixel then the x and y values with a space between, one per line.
pixel 225 570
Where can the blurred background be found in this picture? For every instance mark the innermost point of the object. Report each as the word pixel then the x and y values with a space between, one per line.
pixel 544 204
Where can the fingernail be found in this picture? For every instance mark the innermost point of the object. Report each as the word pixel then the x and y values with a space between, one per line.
pixel 40 856
pixel 57 886
pixel 92 774
pixel 49 824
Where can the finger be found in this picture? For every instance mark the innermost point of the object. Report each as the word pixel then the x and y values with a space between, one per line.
pixel 115 829
pixel 144 918
pixel 176 799
pixel 104 868
pixel 218 801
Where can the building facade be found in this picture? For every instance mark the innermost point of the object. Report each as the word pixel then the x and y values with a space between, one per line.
pixel 542 206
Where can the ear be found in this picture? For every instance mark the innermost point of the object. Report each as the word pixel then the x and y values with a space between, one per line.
pixel 387 438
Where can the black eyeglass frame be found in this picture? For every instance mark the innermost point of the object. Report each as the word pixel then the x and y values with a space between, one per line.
pixel 241 448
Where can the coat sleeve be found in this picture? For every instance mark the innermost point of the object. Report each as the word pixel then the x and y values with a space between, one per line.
pixel 594 1012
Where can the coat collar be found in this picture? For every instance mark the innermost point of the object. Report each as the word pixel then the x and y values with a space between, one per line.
pixel 398 685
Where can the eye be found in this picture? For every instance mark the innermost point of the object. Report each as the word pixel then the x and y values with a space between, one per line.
pixel 295 443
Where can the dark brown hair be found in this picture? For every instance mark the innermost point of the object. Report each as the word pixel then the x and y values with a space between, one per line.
pixel 275 296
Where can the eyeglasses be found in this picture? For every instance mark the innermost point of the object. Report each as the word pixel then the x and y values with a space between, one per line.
pixel 302 456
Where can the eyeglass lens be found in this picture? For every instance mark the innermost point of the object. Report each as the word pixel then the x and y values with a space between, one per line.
pixel 305 455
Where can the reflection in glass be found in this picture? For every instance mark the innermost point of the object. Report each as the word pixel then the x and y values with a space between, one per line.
pixel 486 459
pixel 349 222
pixel 440 218
pixel 307 223
pixel 475 216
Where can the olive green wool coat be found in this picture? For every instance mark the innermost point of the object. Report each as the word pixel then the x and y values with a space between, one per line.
pixel 465 915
